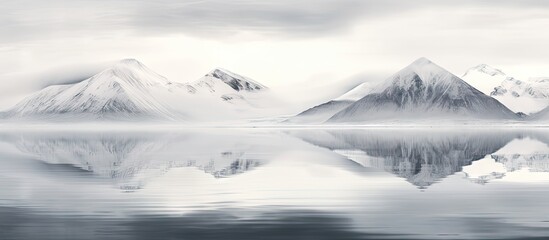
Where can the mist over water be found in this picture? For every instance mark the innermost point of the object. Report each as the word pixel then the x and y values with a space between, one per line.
pixel 275 184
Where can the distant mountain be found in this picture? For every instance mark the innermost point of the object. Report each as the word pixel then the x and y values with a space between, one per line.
pixel 219 79
pixel 528 96
pixel 130 91
pixel 484 78
pixel 356 93
pixel 322 112
pixel 232 88
pixel 542 115
pixel 423 91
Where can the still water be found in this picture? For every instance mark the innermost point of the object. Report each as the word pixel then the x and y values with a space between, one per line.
pixel 275 184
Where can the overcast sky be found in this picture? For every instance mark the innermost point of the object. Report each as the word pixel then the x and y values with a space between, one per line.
pixel 307 44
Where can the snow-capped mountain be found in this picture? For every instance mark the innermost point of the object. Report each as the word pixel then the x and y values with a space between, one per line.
pixel 322 112
pixel 220 80
pixel 242 92
pixel 484 78
pixel 423 90
pixel 123 90
pixel 130 90
pixel 528 96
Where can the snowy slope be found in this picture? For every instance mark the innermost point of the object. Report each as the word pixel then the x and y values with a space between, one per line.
pixel 542 115
pixel 130 91
pixel 221 79
pixel 484 78
pixel 232 88
pixel 423 90
pixel 324 111
pixel 523 96
pixel 528 96
pixel 239 97
pixel 320 113
pixel 124 90
pixel 356 93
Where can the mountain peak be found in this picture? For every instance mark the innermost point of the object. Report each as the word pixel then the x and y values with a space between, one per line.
pixel 422 61
pixel 235 81
pixel 132 71
pixel 423 66
pixel 220 70
pixel 422 70
pixel 130 61
pixel 485 68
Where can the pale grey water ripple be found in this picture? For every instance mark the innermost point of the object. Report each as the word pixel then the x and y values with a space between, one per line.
pixel 275 184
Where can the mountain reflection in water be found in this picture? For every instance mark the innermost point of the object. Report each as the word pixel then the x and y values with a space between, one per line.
pixel 275 184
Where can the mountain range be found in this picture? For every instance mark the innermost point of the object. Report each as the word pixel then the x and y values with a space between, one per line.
pixel 528 96
pixel 421 92
pixel 130 91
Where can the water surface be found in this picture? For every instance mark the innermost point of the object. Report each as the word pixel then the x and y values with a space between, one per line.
pixel 275 184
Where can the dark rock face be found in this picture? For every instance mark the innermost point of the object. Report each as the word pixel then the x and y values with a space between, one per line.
pixel 237 83
pixel 498 91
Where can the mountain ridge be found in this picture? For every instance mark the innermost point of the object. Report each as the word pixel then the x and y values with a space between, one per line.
pixel 529 96
pixel 129 90
pixel 322 112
